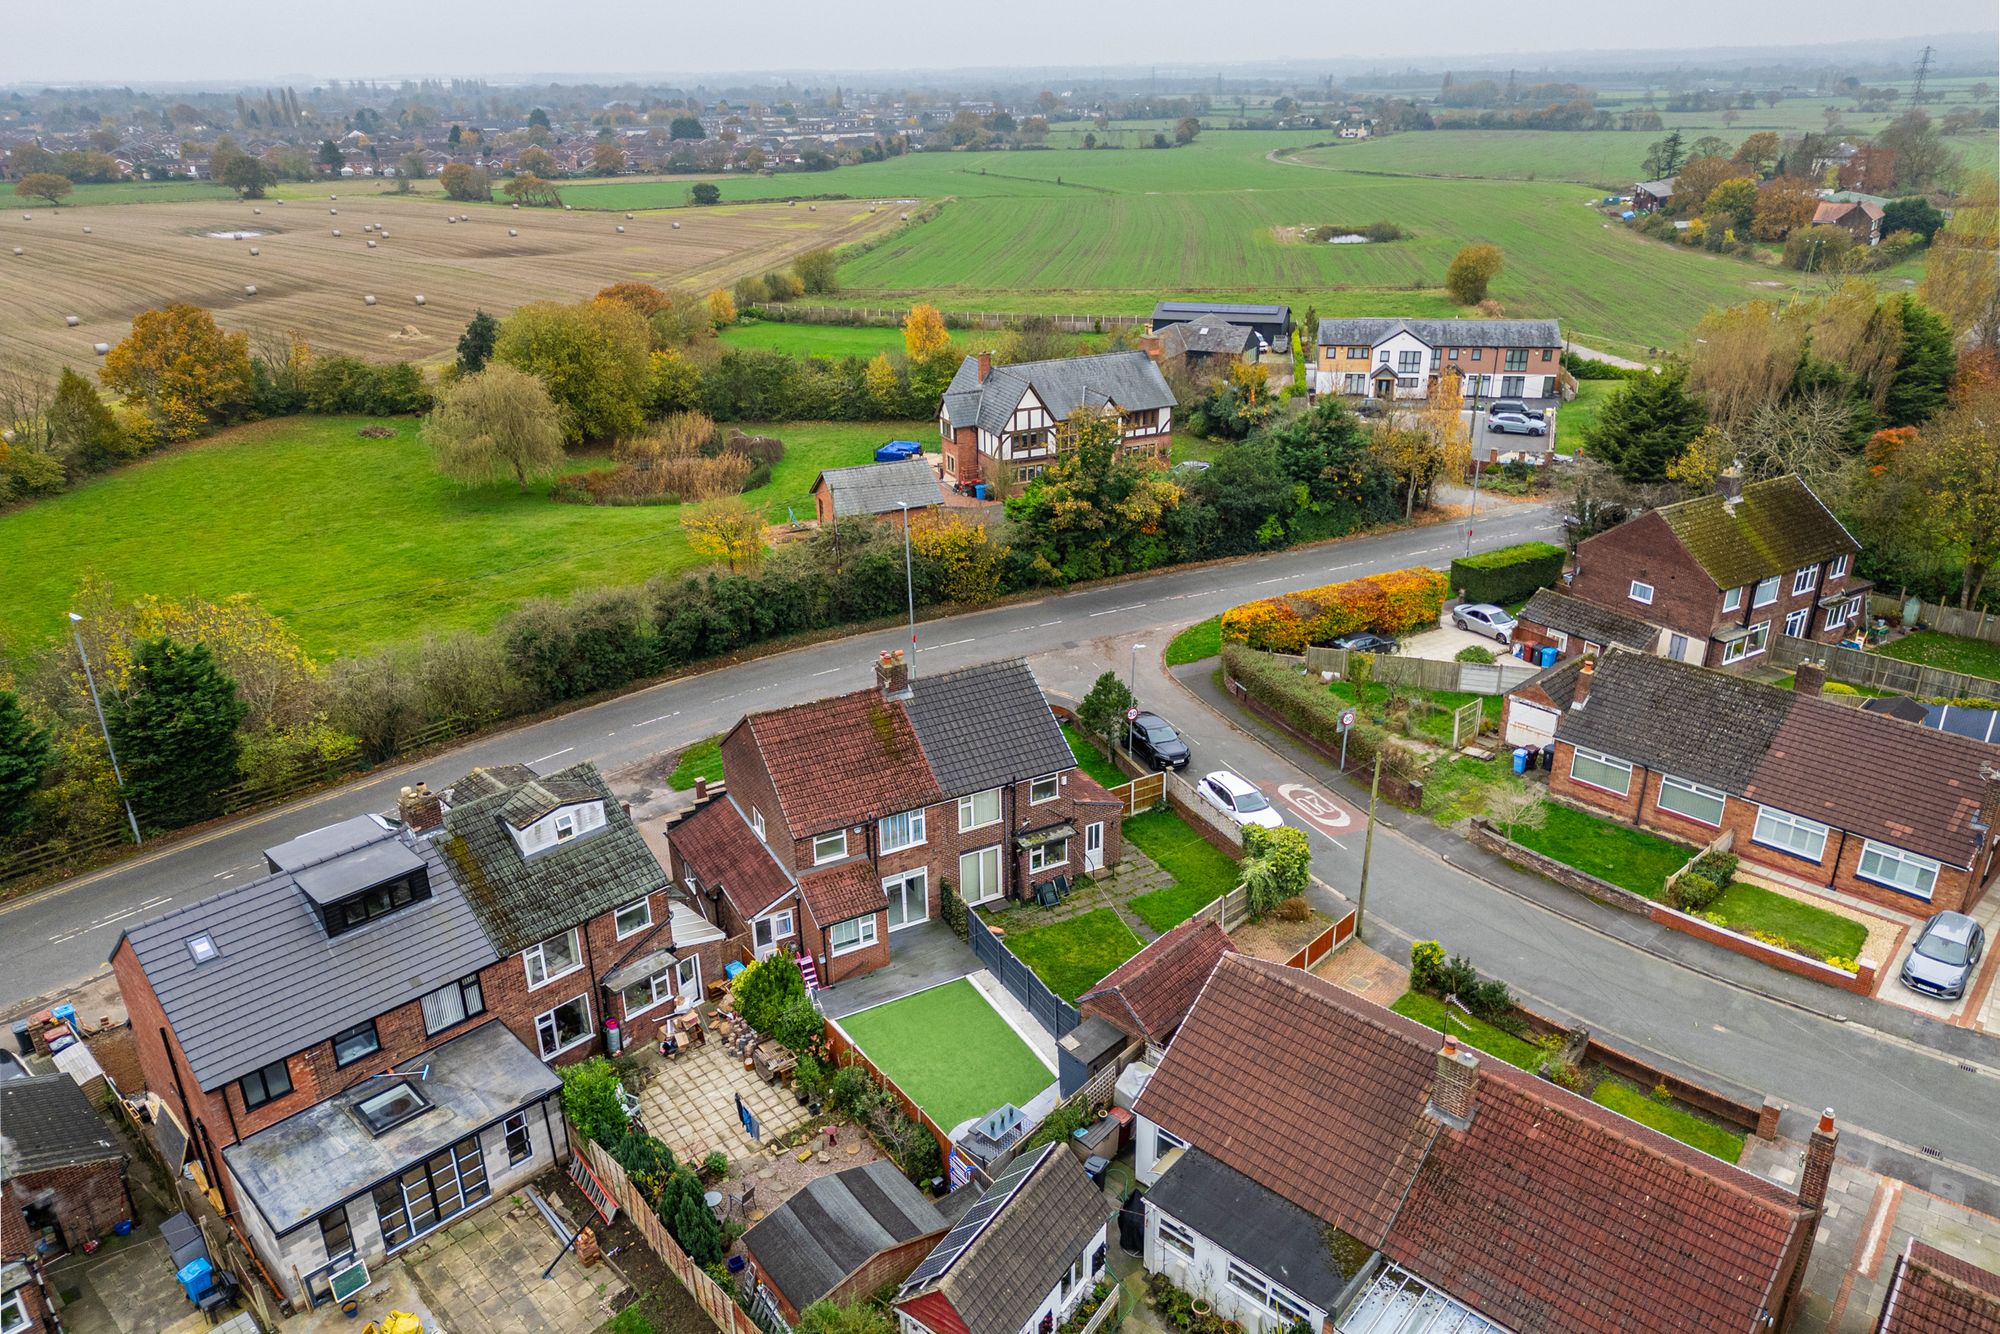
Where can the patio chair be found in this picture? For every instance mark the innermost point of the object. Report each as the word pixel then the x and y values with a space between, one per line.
pixel 741 1203
pixel 1061 884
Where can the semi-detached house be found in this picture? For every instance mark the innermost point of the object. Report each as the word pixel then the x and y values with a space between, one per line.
pixel 356 1044
pixel 1399 358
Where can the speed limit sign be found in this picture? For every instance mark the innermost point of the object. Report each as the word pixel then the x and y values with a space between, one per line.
pixel 1346 719
pixel 1131 715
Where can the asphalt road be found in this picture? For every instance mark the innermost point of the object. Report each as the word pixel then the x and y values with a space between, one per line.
pixel 67 932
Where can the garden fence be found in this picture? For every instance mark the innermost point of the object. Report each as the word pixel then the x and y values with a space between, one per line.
pixel 1857 668
pixel 1053 1013
pixel 886 317
pixel 1471 678
pixel 1935 616
pixel 1142 793
pixel 841 1050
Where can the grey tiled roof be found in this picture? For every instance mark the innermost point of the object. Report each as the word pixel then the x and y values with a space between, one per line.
pixel 521 900
pixel 874 488
pixel 1705 726
pixel 811 1243
pixel 1180 310
pixel 984 726
pixel 1587 620
pixel 534 799
pixel 485 782
pixel 1660 189
pixel 1206 336
pixel 1129 379
pixel 278 984
pixel 1444 333
pixel 49 1123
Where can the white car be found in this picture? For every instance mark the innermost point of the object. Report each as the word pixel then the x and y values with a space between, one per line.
pixel 1483 618
pixel 1237 799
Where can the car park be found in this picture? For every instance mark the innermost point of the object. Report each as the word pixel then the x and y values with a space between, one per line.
pixel 1238 801
pixel 1484 618
pixel 1366 641
pixel 1514 423
pixel 1944 956
pixel 1153 741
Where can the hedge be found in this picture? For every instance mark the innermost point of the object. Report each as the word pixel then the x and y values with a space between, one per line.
pixel 1309 709
pixel 1386 603
pixel 1509 574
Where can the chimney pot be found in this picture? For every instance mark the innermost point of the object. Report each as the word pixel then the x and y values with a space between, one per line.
pixel 1826 1122
pixel 892 675
pixel 418 809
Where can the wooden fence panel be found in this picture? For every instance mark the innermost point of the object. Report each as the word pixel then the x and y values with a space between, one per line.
pixel 716 1304
pixel 842 1051
pixel 1142 793
pixel 1859 668
pixel 1972 624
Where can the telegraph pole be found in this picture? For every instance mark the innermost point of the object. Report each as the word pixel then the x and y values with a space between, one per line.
pixel 1368 842
pixel 1923 76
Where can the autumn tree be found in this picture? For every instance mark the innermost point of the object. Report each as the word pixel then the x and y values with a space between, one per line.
pixel 818 271
pixel 1472 270
pixel 409 167
pixel 1957 454
pixel 1961 281
pixel 465 183
pixel 885 388
pixel 1443 420
pixel 1817 249
pixel 1186 128
pixel 1701 463
pixel 82 428
pixel 721 308
pixel 1734 201
pixel 497 424
pixel 1097 511
pixel 536 161
pixel 175 732
pixel 180 366
pixel 44 185
pixel 533 191
pixel 728 531
pixel 924 336
pixel 962 563
pixel 244 174
pixel 1697 178
pixel 607 159
pixel 1783 204
pixel 1759 151
pixel 592 357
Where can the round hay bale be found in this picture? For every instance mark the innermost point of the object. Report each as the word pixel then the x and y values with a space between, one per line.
pixel 281 203
pixel 621 229
pixel 249 290
pixel 72 321
pixel 368 300
pixel 677 226
pixel 7 436
pixel 86 231
pixel 27 217
pixel 513 206
pixel 906 217
pixel 17 250
pixel 333 196
pixel 258 211
pixel 333 210
pixel 812 208
pixel 371 245
pixel 513 232
pixel 628 217
pixel 101 349
pixel 566 208
pixel 336 231
pixel 420 298
pixel 384 234
pixel 253 250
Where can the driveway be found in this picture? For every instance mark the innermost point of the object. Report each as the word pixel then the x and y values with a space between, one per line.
pixel 1444 643
pixel 1975 1009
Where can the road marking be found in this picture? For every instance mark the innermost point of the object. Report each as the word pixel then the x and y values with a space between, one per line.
pixel 828 672
pixel 1316 808
pixel 663 717
pixel 107 921
pixel 1112 611
pixel 1279 580
pixel 551 755
pixel 1046 624
pixel 953 644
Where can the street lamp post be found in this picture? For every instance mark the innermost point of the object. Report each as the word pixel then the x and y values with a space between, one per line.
pixel 90 679
pixel 909 586
pixel 1132 689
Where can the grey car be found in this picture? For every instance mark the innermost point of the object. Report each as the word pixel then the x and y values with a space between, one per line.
pixel 1945 956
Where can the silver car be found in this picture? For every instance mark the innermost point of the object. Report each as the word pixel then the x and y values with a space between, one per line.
pixel 1945 956
pixel 1483 618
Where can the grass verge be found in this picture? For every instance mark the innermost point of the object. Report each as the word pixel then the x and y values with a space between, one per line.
pixel 1073 956
pixel 1201 872
pixel 950 1051
pixel 1669 1120
pixel 1092 759
pixel 1201 640
pixel 701 760
pixel 1431 1013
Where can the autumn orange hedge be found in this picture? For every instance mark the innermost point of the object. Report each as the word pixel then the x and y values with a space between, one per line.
pixel 1385 603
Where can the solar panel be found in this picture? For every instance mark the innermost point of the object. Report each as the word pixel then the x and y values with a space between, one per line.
pixel 976 1218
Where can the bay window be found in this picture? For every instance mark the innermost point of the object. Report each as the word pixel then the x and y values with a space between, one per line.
pixel 1790 833
pixel 1902 871
pixel 1045 856
pixel 1605 772
pixel 1750 645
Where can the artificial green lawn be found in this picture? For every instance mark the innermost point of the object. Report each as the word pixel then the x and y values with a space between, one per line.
pixel 1091 759
pixel 701 760
pixel 950 1051
pixel 1431 1013
pixel 1201 872
pixel 1974 657
pixel 1629 858
pixel 1071 956
pixel 358 543
pixel 1201 640
pixel 1668 1119
pixel 1786 682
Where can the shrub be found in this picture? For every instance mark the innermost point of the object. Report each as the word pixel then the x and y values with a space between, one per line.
pixel 952 908
pixel 827 1317
pixel 1718 866
pixel 851 1092
pixel 1304 706
pixel 1294 909
pixel 1474 653
pixel 798 1026
pixel 1426 965
pixel 1277 866
pixel 765 989
pixel 1509 574
pixel 1694 892
pixel 1387 603
pixel 590 1100
pixel 1838 688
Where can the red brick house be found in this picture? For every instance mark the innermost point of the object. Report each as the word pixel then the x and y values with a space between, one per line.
pixel 842 820
pixel 1315 1158
pixel 356 1045
pixel 1933 1292
pixel 1001 423
pixel 1724 574
pixel 62 1187
pixel 1148 995
pixel 1811 791
pixel 1859 218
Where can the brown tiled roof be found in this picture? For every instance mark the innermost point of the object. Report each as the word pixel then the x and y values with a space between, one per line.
pixel 1936 1293
pixel 720 846
pixel 850 889
pixel 1777 527
pixel 843 761
pixel 1587 620
pixel 1547 1212
pixel 1149 994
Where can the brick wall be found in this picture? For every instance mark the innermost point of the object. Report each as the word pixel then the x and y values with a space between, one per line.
pixel 961 455
pixel 1646 550
pixel 117 1055
pixel 87 1199
pixel 750 785
pixel 34 1299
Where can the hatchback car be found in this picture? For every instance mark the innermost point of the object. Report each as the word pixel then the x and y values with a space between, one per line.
pixel 1483 618
pixel 1945 955
pixel 1514 423
pixel 1366 641
pixel 1238 800
pixel 1155 742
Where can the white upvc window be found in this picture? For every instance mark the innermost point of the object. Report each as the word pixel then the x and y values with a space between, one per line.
pixel 1805 580
pixel 1691 800
pixel 979 875
pixel 1838 568
pixel 565 1026
pixel 1899 870
pixel 1041 790
pixel 768 931
pixel 1607 773
pixel 647 992
pixel 1177 1239
pixel 558 956
pixel 1840 613
pixel 633 918
pixel 565 825
pixel 1641 592
pixel 979 810
pixel 1795 624
pixel 854 934
pixel 1047 856
pixel 13 1312
pixel 829 847
pixel 757 824
pixel 1790 833
pixel 1736 650
pixel 905 830
pixel 1732 600
pixel 1767 592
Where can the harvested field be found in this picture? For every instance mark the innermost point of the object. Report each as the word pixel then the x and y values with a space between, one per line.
pixel 308 280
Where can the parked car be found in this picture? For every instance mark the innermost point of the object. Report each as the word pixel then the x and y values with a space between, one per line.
pixel 1944 956
pixel 1366 641
pixel 1483 618
pixel 11 1066
pixel 1514 423
pixel 1516 405
pixel 1238 800
pixel 1155 742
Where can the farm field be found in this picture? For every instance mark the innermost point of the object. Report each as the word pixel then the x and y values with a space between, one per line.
pixel 145 192
pixel 311 282
pixel 819 340
pixel 356 543
pixel 1607 158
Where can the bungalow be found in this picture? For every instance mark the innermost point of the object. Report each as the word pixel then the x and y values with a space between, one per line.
pixel 1003 423
pixel 1198 344
pixel 1148 995
pixel 1400 358
pixel 1574 627
pixel 1813 793
pixel 1316 1161
pixel 875 490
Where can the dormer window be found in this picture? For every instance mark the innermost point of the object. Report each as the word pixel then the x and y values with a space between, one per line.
pixel 357 910
pixel 565 825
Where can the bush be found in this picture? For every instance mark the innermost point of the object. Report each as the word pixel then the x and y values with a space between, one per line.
pixel 1694 892
pixel 952 908
pixel 590 1100
pixel 1305 706
pixel 1294 909
pixel 1277 865
pixel 1717 866
pixel 766 989
pixel 1431 972
pixel 1386 603
pixel 851 1092
pixel 799 1027
pixel 1589 368
pixel 1509 574
pixel 1426 965
pixel 1474 653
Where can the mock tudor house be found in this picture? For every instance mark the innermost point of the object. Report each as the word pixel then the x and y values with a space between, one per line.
pixel 840 821
pixel 1021 1259
pixel 1814 793
pixel 1400 358
pixel 1725 573
pixel 356 1045
pixel 1317 1161
pixel 1002 423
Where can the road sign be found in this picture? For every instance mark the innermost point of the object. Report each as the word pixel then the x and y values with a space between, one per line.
pixel 1346 719
pixel 1131 715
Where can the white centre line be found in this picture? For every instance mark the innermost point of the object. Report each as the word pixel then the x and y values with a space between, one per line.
pixel 953 644
pixel 662 718
pixel 1113 611
pixel 564 751
pixel 1046 624
pixel 1279 580
pixel 828 672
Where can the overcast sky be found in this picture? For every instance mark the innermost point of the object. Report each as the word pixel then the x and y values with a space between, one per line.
pixel 217 41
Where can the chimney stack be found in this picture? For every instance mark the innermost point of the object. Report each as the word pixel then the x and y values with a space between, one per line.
pixel 1730 487
pixel 1150 345
pixel 700 788
pixel 419 809
pixel 1584 675
pixel 1810 678
pixel 985 366
pixel 892 675
pixel 1819 1161
pixel 1455 1093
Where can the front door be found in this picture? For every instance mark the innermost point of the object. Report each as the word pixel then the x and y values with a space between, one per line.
pixel 1093 846
pixel 909 899
pixel 768 933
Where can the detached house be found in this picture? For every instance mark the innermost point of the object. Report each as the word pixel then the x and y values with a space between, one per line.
pixel 1723 574
pixel 1000 423
pixel 1859 218
pixel 1396 358
pixel 1815 793
pixel 356 1045
pixel 841 820
pixel 1315 1160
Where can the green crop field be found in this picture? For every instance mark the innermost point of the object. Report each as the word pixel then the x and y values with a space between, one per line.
pixel 143 192
pixel 357 543
pixel 1608 158
pixel 819 340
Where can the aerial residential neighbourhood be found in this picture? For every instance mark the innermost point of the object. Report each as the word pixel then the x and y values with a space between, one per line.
pixel 1168 672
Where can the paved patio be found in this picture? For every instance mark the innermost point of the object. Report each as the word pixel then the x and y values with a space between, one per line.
pixel 486 1274
pixel 1114 887
pixel 920 957
pixel 690 1102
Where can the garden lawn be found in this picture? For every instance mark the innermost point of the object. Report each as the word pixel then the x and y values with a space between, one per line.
pixel 1461 787
pixel 950 1051
pixel 1817 931
pixel 1091 759
pixel 1201 872
pixel 1431 1013
pixel 701 760
pixel 1201 640
pixel 1629 858
pixel 1434 722
pixel 1669 1120
pixel 1575 418
pixel 1786 682
pixel 1974 657
pixel 819 340
pixel 1073 956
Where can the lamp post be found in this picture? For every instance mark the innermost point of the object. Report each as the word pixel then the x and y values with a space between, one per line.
pixel 1131 688
pixel 909 586
pixel 74 622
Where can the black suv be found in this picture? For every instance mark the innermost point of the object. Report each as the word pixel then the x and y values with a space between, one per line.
pixel 1155 742
pixel 1500 405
